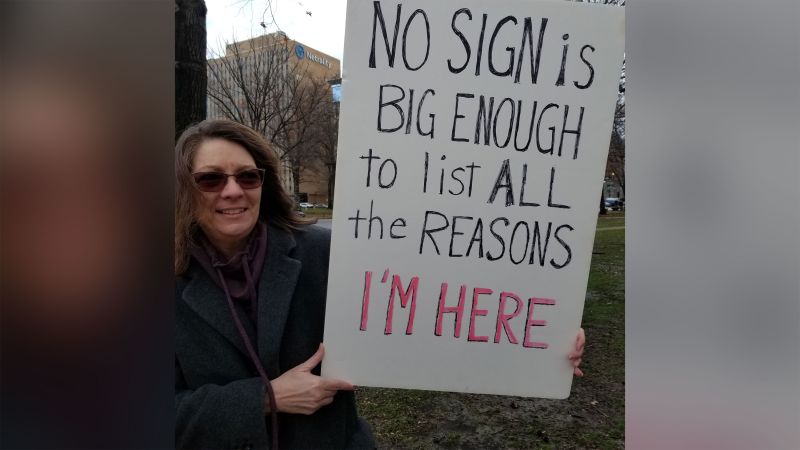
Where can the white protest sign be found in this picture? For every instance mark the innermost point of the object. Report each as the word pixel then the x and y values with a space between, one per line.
pixel 472 149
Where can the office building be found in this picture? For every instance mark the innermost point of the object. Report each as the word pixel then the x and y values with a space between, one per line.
pixel 277 56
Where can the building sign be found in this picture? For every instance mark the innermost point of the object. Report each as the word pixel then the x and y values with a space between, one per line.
pixel 302 53
pixel 299 51
pixel 472 150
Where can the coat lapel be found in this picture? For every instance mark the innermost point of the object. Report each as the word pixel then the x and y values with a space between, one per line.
pixel 208 301
pixel 275 291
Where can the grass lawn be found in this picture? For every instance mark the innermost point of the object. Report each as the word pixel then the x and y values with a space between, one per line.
pixel 591 418
pixel 318 213
pixel 612 219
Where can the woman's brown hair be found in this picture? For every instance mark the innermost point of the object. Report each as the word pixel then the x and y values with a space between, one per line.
pixel 276 204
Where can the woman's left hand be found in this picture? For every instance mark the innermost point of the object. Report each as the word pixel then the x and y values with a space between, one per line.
pixel 576 355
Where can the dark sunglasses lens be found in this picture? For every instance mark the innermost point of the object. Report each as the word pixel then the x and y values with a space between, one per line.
pixel 249 179
pixel 210 181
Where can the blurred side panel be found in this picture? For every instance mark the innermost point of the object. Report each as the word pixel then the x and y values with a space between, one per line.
pixel 713 214
pixel 86 137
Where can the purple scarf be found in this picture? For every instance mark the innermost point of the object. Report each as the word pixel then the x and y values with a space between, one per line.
pixel 241 272
pixel 238 278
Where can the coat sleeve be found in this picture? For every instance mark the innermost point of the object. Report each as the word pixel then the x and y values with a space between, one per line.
pixel 229 416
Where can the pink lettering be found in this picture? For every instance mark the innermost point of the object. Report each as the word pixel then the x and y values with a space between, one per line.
pixel 442 310
pixel 365 300
pixel 535 323
pixel 477 312
pixel 410 292
pixel 503 317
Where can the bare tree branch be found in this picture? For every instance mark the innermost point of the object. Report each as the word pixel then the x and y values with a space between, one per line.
pixel 615 167
pixel 258 84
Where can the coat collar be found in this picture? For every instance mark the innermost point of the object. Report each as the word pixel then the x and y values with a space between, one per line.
pixel 275 291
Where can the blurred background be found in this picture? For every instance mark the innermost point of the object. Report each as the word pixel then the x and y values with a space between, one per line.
pixel 713 255
pixel 86 134
pixel 91 100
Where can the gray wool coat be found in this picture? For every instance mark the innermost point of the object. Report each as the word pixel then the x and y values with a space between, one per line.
pixel 219 397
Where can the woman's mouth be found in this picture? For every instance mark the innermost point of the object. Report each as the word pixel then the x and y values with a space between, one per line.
pixel 232 211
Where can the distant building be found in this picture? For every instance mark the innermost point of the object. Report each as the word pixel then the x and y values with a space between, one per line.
pixel 313 183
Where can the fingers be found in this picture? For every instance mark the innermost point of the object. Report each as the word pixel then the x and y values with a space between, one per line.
pixel 576 356
pixel 580 340
pixel 326 401
pixel 328 389
pixel 336 385
pixel 312 407
pixel 315 359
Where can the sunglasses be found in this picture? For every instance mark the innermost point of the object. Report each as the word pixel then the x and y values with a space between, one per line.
pixel 216 181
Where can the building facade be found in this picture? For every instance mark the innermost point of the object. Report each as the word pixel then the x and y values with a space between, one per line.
pixel 246 81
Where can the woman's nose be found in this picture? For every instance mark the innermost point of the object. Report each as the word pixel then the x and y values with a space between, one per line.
pixel 232 188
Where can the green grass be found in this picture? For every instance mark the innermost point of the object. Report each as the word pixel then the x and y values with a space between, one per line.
pixel 592 417
pixel 318 213
pixel 610 223
pixel 612 219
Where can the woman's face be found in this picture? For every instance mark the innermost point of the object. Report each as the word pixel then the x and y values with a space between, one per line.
pixel 227 217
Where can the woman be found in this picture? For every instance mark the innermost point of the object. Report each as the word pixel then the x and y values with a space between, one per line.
pixel 250 306
pixel 251 286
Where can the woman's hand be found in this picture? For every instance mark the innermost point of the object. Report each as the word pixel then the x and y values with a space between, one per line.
pixel 576 355
pixel 298 391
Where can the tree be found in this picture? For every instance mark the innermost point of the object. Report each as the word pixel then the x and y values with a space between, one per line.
pixel 190 70
pixel 327 138
pixel 616 151
pixel 257 83
pixel 304 136
pixel 615 166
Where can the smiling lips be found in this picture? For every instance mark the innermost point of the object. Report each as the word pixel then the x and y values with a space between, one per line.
pixel 231 211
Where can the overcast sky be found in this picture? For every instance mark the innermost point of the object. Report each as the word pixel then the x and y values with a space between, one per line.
pixel 240 19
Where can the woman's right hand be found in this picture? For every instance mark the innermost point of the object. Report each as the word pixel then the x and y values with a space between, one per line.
pixel 298 391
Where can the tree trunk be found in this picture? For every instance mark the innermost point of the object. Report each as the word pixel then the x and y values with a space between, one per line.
pixel 603 201
pixel 331 183
pixel 296 179
pixel 190 63
pixel 620 180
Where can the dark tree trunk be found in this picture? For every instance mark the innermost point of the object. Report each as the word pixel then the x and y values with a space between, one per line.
pixel 603 201
pixel 620 180
pixel 296 178
pixel 331 183
pixel 190 63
